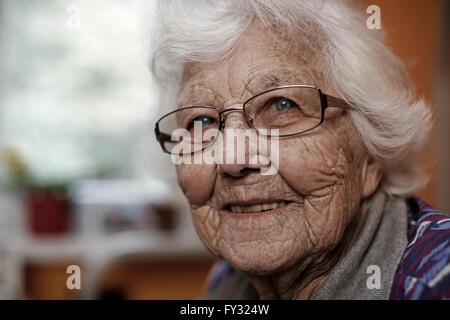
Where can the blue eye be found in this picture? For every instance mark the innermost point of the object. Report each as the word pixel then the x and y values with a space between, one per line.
pixel 204 121
pixel 283 104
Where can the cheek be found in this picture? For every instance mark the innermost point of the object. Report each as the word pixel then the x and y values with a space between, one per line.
pixel 311 164
pixel 325 170
pixel 197 182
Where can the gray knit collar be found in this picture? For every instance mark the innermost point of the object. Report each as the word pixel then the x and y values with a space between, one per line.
pixel 377 251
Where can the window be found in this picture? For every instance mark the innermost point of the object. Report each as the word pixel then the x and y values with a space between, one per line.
pixel 76 97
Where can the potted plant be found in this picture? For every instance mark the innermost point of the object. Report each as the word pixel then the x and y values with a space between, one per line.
pixel 46 202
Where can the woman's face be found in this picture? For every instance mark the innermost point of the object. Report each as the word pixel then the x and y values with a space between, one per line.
pixel 321 179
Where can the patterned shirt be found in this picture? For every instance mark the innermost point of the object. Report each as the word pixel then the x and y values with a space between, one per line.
pixel 424 270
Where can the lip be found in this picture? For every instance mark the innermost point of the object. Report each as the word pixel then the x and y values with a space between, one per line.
pixel 239 215
pixel 251 202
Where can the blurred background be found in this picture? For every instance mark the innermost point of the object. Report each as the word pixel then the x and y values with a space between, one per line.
pixel 82 179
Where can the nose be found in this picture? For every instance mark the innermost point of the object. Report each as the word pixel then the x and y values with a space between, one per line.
pixel 240 147
pixel 237 170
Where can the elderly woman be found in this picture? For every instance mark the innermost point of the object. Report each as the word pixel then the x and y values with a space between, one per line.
pixel 335 218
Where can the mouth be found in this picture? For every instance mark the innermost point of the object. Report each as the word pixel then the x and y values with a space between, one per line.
pixel 256 208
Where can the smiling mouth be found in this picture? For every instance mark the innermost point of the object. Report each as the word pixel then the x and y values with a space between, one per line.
pixel 255 208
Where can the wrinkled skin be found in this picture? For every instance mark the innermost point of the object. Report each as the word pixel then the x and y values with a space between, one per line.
pixel 325 173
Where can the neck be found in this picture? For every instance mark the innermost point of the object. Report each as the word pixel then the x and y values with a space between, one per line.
pixel 300 281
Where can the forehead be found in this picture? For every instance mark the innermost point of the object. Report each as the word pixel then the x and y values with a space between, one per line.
pixel 259 61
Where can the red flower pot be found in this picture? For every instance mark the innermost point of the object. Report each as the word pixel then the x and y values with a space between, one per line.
pixel 48 212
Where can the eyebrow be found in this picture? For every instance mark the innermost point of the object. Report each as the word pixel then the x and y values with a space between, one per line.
pixel 277 78
pixel 196 96
pixel 260 81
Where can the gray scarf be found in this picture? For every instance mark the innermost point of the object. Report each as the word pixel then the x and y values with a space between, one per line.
pixel 375 254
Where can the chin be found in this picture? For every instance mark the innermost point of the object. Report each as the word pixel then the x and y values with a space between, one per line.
pixel 258 258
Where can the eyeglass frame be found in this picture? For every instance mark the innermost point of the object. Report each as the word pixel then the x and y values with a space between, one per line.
pixel 325 101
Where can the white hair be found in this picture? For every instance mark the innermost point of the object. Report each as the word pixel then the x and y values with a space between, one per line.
pixel 392 122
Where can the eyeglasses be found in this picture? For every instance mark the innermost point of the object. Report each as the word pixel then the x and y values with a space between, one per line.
pixel 291 109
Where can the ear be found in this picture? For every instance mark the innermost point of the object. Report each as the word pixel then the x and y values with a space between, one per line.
pixel 371 176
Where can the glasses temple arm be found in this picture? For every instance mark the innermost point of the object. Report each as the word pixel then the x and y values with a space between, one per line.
pixel 338 103
pixel 165 137
pixel 161 136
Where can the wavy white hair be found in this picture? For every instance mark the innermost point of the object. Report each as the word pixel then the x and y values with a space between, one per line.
pixel 393 124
